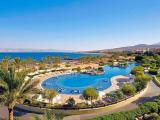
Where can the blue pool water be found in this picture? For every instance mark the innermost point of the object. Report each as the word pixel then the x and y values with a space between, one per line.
pixel 66 84
pixel 40 55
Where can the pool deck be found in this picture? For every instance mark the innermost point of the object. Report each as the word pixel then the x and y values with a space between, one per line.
pixel 115 83
pixel 78 98
pixel 115 86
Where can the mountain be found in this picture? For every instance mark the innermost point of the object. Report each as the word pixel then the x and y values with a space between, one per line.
pixel 139 47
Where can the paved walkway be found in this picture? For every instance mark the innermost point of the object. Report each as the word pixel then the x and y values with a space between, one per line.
pixel 152 92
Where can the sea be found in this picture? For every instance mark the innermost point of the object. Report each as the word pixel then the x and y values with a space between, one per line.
pixel 40 55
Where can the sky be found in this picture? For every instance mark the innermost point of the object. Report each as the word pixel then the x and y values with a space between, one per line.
pixel 78 24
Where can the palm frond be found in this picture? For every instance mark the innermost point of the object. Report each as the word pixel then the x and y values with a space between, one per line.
pixel 29 86
pixel 4 97
pixel 49 115
pixel 3 85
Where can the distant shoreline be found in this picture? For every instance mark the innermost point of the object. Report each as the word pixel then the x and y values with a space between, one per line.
pixel 40 55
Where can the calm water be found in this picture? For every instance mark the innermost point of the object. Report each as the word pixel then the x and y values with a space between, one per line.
pixel 65 84
pixel 40 55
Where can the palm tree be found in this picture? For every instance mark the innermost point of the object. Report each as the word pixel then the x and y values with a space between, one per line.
pixel 5 62
pixel 17 62
pixel 14 87
pixel 50 94
pixel 57 61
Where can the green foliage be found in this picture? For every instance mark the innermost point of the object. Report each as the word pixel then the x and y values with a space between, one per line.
pixel 90 94
pixel 158 76
pixel 138 70
pixel 50 94
pixel 15 87
pixel 138 58
pixel 150 108
pixel 89 59
pixel 78 69
pixel 128 89
pixel 103 64
pixel 141 81
pixel 115 96
pixel 146 65
pixel 16 118
pixel 119 94
pixel 49 115
pixel 153 116
pixel 153 71
pixel 71 102
pixel 59 116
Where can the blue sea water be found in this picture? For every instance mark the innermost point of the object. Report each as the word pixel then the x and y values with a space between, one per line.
pixel 65 84
pixel 40 55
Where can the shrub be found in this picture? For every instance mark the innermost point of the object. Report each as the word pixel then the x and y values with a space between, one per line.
pixel 71 102
pixel 119 94
pixel 152 116
pixel 151 106
pixel 78 69
pixel 81 105
pixel 153 71
pixel 140 85
pixel 146 65
pixel 128 89
pixel 158 102
pixel 148 107
pixel 158 75
pixel 141 81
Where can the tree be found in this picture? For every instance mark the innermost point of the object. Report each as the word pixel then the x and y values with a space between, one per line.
pixel 128 89
pixel 17 62
pixel 90 94
pixel 50 94
pixel 138 70
pixel 5 62
pixel 57 60
pixel 138 58
pixel 15 87
pixel 48 59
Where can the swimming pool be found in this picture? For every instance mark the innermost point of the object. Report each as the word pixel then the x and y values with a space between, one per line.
pixel 76 83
